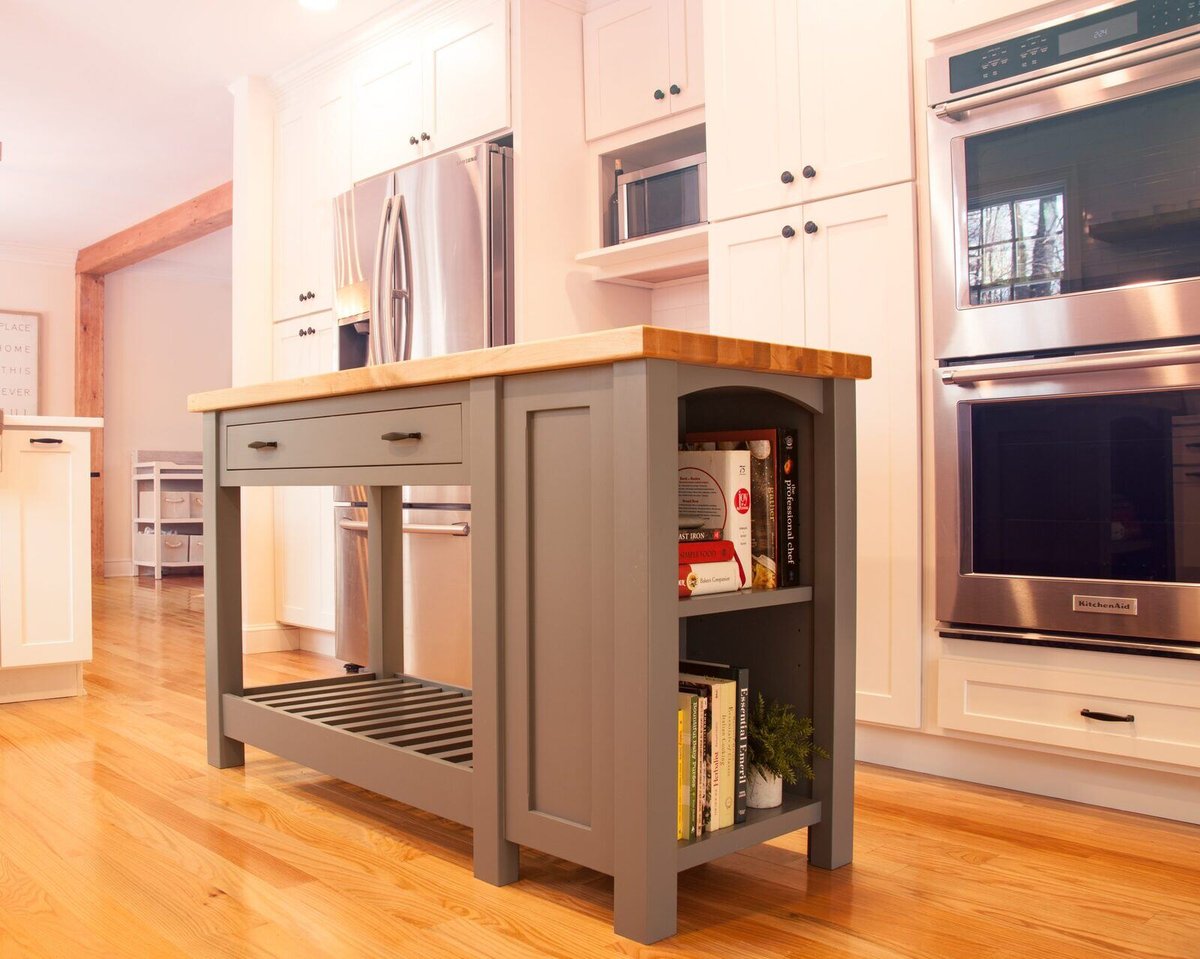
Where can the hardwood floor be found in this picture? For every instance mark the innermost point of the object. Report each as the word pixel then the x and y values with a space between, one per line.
pixel 117 839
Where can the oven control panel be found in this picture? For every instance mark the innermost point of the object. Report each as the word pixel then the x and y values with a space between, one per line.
pixel 1115 27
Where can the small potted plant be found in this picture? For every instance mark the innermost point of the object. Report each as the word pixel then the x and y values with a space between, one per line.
pixel 779 743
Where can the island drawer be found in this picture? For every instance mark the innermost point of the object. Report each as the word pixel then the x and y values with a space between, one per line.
pixel 417 436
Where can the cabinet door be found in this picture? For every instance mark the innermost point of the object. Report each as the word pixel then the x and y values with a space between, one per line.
pixel 289 214
pixel 756 277
pixel 860 297
pixel 328 175
pixel 626 58
pixel 466 76
pixel 752 106
pixel 45 548
pixel 304 536
pixel 387 108
pixel 686 53
pixel 856 105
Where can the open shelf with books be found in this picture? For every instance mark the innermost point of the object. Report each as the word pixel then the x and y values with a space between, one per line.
pixel 797 812
pixel 743 599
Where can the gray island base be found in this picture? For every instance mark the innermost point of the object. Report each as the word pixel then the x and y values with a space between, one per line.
pixel 566 742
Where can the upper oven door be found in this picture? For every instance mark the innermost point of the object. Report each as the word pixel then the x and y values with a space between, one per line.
pixel 1065 212
pixel 1068 494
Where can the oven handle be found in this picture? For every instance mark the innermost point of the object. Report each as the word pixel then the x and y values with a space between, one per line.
pixel 1093 363
pixel 955 110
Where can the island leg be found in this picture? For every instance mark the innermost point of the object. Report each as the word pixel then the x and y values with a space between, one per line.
pixel 222 598
pixel 496 859
pixel 831 841
pixel 646 664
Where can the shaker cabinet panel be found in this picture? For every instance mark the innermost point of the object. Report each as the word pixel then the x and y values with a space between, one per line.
pixel 289 209
pixel 805 100
pixel 388 104
pixel 626 59
pixel 45 556
pixel 685 40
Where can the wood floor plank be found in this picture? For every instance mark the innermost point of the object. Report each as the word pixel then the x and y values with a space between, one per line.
pixel 117 839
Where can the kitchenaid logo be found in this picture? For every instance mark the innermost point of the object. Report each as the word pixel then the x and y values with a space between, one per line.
pixel 1118 605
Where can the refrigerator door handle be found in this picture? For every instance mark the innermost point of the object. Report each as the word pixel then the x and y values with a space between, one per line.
pixel 428 529
pixel 404 293
pixel 383 260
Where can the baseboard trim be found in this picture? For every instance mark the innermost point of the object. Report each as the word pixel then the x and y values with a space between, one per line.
pixel 269 638
pixel 119 567
pixel 316 641
pixel 1150 792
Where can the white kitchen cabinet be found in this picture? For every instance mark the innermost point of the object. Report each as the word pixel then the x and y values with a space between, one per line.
pixel 45 548
pixel 304 540
pixel 805 100
pixel 431 88
pixel 643 60
pixel 850 285
pixel 312 166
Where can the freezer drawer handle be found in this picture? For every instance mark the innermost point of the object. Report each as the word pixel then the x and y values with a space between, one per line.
pixel 45 439
pixel 263 445
pixel 393 437
pixel 428 529
pixel 1105 717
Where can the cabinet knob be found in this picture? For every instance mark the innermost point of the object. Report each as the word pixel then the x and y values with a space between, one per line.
pixel 659 95
pixel 786 176
pixel 675 90
pixel 424 136
pixel 303 331
pixel 300 298
pixel 311 331
pixel 808 173
pixel 413 140
pixel 788 232
pixel 810 227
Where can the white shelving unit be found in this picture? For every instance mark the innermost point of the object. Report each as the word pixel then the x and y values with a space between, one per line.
pixel 169 472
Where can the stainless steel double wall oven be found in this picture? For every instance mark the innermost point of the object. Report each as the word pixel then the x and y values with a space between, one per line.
pixel 1065 204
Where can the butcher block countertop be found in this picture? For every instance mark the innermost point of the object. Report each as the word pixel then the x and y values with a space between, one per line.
pixel 587 349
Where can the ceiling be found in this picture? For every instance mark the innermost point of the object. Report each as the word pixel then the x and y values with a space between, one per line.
pixel 113 111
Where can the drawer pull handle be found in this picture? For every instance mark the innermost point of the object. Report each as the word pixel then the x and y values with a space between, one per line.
pixel 49 440
pixel 263 445
pixel 1105 717
pixel 393 437
pixel 1193 473
pixel 1192 446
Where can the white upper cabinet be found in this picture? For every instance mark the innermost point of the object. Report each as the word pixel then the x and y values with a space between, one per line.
pixel 432 88
pixel 312 165
pixel 643 60
pixel 839 274
pixel 806 99
pixel 45 555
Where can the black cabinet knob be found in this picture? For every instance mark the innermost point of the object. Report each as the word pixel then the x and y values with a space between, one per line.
pixel 300 298
pixel 675 90
pixel 424 136
pixel 311 331
pixel 786 176
pixel 808 173
pixel 413 140
pixel 659 95
pixel 810 227
pixel 788 232
pixel 303 332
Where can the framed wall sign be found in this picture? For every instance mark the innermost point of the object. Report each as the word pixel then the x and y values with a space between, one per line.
pixel 19 363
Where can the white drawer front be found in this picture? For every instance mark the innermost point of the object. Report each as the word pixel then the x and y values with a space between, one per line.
pixel 1043 705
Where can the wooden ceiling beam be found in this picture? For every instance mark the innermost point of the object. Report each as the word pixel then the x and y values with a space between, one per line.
pixel 197 217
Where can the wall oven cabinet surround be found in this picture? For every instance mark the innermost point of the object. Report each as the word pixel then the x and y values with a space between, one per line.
pixel 1067 503
pixel 1064 185
pixel 45 567
pixel 566 739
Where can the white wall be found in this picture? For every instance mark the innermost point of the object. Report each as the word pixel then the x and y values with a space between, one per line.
pixel 40 281
pixel 167 334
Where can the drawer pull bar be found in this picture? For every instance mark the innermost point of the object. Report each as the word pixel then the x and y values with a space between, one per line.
pixel 1105 717
pixel 393 437
pixel 49 440
pixel 263 445
pixel 428 529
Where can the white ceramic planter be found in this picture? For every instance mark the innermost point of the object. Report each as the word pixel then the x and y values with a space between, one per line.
pixel 763 792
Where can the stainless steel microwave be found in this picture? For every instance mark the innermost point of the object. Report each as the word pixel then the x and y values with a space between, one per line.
pixel 657 199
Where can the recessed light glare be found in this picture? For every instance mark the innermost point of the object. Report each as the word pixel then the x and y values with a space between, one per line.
pixel 318 5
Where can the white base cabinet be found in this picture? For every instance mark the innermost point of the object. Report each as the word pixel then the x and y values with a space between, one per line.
pixel 850 285
pixel 304 540
pixel 805 99
pixel 45 555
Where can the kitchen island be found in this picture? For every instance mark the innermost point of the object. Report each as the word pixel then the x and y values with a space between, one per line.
pixel 566 741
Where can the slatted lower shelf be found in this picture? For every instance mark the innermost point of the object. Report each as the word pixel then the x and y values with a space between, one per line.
pixel 403 737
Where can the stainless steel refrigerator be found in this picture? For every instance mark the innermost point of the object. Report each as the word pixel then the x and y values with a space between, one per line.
pixel 423 260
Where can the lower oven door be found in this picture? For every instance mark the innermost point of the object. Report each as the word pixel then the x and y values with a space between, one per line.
pixel 1068 496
